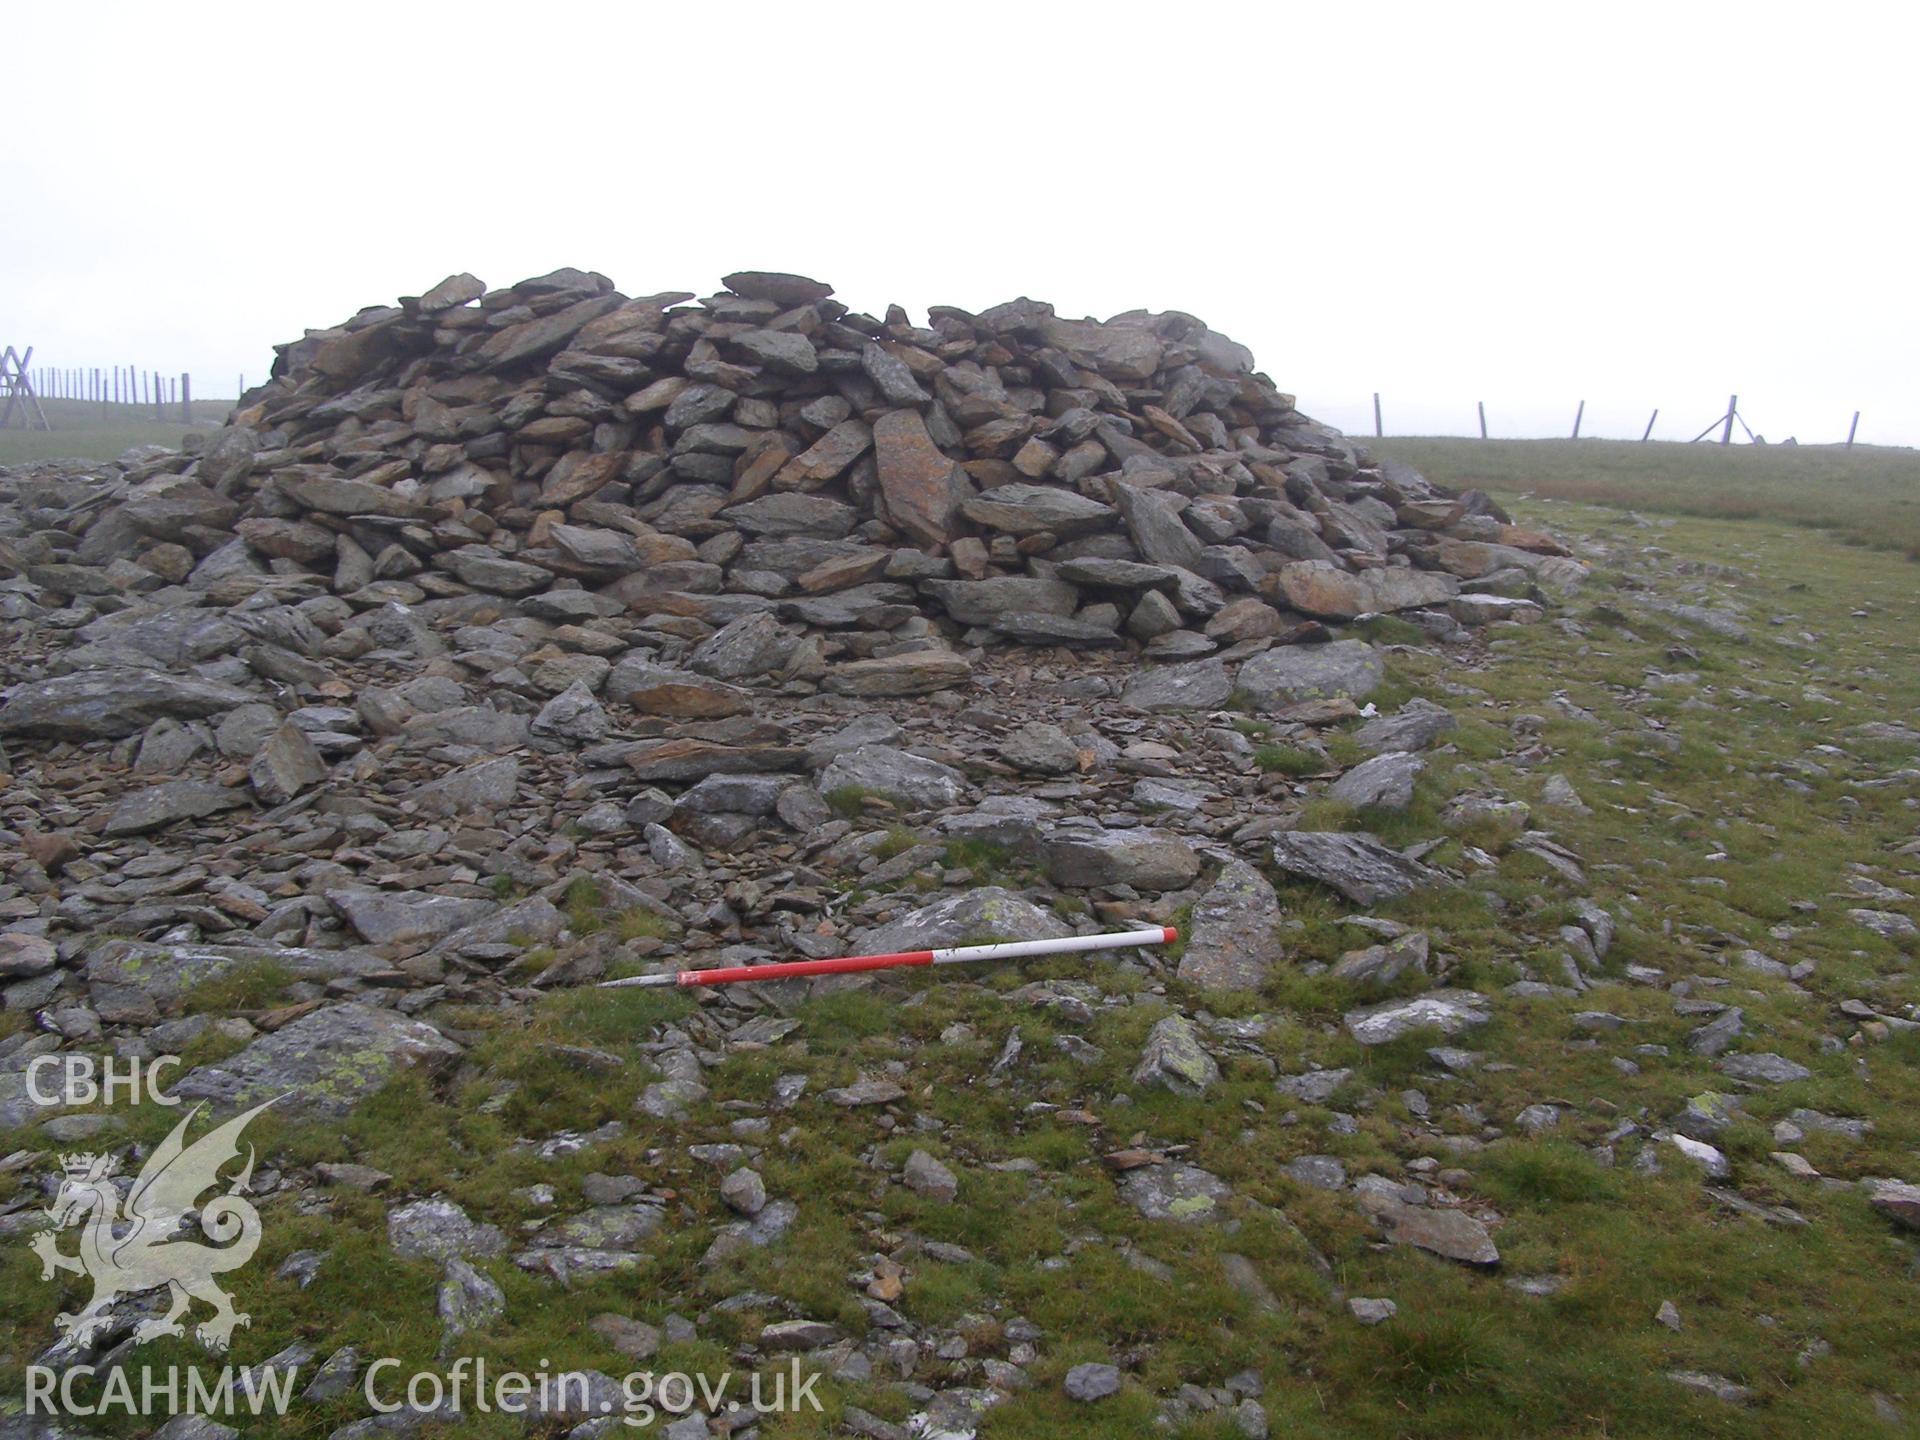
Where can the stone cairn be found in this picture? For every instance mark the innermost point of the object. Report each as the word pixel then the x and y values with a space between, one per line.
pixel 520 554
pixel 767 459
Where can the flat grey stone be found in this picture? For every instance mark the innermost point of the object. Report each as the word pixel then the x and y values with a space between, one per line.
pixel 1278 678
pixel 161 805
pixel 1352 862
pixel 324 1064
pixel 1766 1068
pixel 1449 1011
pixel 1384 782
pixel 107 704
pixel 1175 1191
pixel 1195 685
pixel 1147 858
pixel 1414 726
pixel 438 1229
pixel 1092 1381
pixel 980 916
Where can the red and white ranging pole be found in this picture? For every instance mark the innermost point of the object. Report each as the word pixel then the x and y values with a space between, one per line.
pixel 957 955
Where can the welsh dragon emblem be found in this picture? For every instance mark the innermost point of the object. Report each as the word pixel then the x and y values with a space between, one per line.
pixel 126 1249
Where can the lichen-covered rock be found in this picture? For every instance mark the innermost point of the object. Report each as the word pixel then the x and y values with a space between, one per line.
pixel 1234 940
pixel 1174 1059
pixel 972 917
pixel 323 1064
pixel 1282 677
pixel 1150 859
pixel 897 775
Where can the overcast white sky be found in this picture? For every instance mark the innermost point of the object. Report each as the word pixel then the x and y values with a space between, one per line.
pixel 1529 205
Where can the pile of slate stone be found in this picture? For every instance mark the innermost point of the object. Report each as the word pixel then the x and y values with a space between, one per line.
pixel 895 494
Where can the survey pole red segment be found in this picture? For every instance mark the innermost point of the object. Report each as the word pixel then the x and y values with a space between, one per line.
pixel 799 969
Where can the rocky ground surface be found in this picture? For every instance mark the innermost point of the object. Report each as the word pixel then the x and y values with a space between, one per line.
pixel 1538 1053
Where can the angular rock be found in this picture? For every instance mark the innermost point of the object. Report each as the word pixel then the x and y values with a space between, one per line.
pixel 915 672
pixel 1019 509
pixel 1416 726
pixel 1234 942
pixel 162 805
pixel 107 704
pixel 1898 1201
pixel 1174 1059
pixel 1092 1381
pixel 405 918
pixel 896 775
pixel 1767 1069
pixel 974 917
pixel 1175 1191
pixel 982 602
pixel 467 1299
pixel 795 514
pixel 1196 685
pixel 658 690
pixel 1383 964
pixel 1282 677
pixel 1153 520
pixel 929 1179
pixel 324 1064
pixel 741 649
pixel 683 760
pixel 1448 1011
pixel 286 765
pixel 1352 862
pixel 1316 588
pixel 438 1229
pixel 921 486
pixel 486 786
pixel 1038 748
pixel 1145 858
pixel 1384 782
pixel 1450 1234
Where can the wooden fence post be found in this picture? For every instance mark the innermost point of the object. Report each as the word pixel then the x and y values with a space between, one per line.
pixel 1852 428
pixel 1578 415
pixel 1733 407
pixel 1647 434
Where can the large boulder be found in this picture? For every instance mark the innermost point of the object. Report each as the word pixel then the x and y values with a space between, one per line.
pixel 896 775
pixel 1278 678
pixel 323 1064
pixel 1354 863
pixel 106 704
pixel 1145 858
pixel 1313 587
pixel 975 917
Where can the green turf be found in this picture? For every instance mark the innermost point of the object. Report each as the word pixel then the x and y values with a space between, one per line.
pixel 83 431
pixel 1869 495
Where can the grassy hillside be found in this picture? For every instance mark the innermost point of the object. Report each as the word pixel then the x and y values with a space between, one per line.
pixel 1869 495
pixel 80 430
